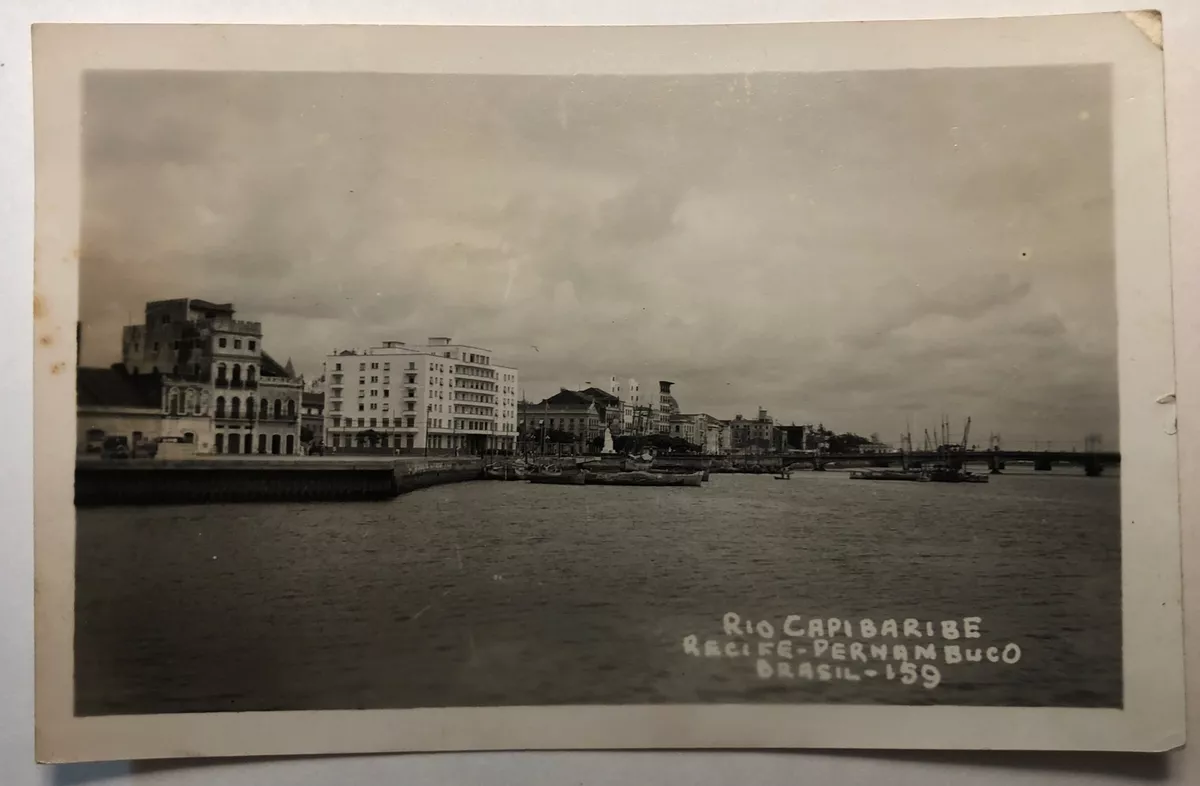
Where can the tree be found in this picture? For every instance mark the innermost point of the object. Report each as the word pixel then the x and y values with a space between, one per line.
pixel 306 434
pixel 369 436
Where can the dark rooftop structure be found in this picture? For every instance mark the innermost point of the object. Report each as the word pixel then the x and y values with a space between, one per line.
pixel 114 387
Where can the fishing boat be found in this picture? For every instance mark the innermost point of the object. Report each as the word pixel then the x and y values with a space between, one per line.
pixel 641 478
pixel 504 472
pixel 557 478
pixel 911 475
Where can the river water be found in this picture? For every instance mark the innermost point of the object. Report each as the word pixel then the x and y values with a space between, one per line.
pixel 490 593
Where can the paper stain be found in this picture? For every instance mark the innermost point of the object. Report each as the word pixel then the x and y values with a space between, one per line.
pixel 1150 23
pixel 39 307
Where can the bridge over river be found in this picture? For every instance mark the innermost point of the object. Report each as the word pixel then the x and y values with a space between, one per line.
pixel 1093 462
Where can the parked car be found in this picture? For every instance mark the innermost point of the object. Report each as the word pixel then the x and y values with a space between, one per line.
pixel 115 448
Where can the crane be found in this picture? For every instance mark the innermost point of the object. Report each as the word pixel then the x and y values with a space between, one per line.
pixel 966 434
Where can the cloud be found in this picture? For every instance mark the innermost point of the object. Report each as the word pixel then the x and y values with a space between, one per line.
pixel 859 249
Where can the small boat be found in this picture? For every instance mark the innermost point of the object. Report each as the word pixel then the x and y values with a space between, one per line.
pixel 950 475
pixel 640 478
pixel 557 478
pixel 912 475
pixel 504 472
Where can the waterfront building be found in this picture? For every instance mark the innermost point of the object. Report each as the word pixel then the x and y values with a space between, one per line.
pixel 216 388
pixel 438 396
pixel 703 430
pixel 312 418
pixel 567 412
pixel 111 402
pixel 609 407
pixel 667 407
pixel 754 435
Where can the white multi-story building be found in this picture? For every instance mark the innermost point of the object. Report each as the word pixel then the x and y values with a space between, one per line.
pixel 437 396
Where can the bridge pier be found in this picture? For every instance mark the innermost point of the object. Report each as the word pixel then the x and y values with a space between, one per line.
pixel 995 465
pixel 1092 467
pixel 1043 464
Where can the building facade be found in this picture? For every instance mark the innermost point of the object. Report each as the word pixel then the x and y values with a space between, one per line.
pixel 312 418
pixel 667 407
pixel 754 435
pixel 567 413
pixel 217 385
pixel 708 433
pixel 438 396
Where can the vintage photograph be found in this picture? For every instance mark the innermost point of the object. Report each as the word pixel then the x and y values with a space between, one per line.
pixel 424 390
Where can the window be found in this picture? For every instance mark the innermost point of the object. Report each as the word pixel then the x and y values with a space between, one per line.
pixel 387 366
pixel 374 380
pixel 385 422
pixel 410 422
pixel 361 406
pixel 410 406
pixel 336 366
pixel 360 422
pixel 362 394
pixel 362 380
pixel 372 422
pixel 374 394
pixel 237 343
pixel 253 345
pixel 411 393
pixel 374 405
pixel 387 380
pixel 374 366
pixel 220 343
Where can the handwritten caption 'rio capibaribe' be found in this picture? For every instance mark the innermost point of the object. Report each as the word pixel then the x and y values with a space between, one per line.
pixel 824 649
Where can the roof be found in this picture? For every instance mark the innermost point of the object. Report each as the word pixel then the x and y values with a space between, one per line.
pixel 571 398
pixel 209 305
pixel 601 395
pixel 115 387
pixel 530 408
pixel 271 367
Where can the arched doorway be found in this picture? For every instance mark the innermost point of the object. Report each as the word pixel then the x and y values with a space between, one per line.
pixel 234 444
pixel 262 443
pixel 274 444
pixel 291 444
pixel 249 444
pixel 219 443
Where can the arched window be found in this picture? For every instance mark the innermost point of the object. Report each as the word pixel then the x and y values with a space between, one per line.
pixel 220 407
pixel 189 437
pixel 249 409
pixel 278 408
pixel 173 402
pixel 237 373
pixel 264 409
pixel 235 407
pixel 221 373
pixel 199 401
pixel 291 409
pixel 250 375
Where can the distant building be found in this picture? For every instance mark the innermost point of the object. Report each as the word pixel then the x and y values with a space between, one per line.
pixel 757 435
pixel 312 416
pixel 705 431
pixel 216 387
pixel 667 406
pixel 567 411
pixel 111 402
pixel 438 396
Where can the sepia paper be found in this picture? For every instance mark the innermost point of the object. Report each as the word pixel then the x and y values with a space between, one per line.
pixel 673 251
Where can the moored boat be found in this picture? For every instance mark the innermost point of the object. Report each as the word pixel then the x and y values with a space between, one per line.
pixel 557 478
pixel 641 478
pixel 504 472
pixel 912 475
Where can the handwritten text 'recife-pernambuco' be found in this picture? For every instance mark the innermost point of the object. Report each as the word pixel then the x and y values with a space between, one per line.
pixel 825 649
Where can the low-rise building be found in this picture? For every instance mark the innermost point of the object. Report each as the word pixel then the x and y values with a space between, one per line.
pixel 312 418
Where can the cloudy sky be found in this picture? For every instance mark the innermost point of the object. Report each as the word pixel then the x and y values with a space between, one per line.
pixel 862 249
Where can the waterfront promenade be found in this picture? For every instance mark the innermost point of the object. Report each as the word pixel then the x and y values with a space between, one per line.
pixel 250 478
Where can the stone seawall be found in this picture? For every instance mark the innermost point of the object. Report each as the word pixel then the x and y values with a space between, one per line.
pixel 216 480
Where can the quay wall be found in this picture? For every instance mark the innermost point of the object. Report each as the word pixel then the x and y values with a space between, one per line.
pixel 198 481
